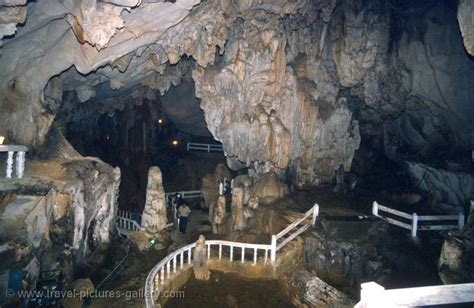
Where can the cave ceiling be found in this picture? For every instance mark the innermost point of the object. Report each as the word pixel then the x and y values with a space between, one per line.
pixel 290 85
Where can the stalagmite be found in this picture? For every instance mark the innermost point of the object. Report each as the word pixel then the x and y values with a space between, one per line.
pixel 154 217
pixel 219 214
pixel 201 272
pixel 238 218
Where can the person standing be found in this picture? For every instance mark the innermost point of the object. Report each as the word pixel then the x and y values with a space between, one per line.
pixel 183 212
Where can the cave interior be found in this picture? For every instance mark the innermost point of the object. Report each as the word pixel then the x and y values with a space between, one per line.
pixel 350 119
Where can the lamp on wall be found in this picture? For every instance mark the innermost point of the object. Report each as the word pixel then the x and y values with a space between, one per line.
pixel 160 121
pixel 174 142
pixel 2 139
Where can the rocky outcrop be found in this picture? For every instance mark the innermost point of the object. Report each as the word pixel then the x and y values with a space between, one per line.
pixel 455 264
pixel 450 191
pixel 466 23
pixel 315 292
pixel 12 12
pixel 61 216
pixel 23 84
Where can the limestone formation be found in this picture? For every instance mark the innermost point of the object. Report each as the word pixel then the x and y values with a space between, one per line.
pixel 253 203
pixel 65 216
pixel 238 218
pixel 246 183
pixel 210 187
pixel 466 23
pixel 201 271
pixel 269 188
pixel 218 214
pixel 291 85
pixel 154 217
pixel 210 192
pixel 450 191
pixel 221 173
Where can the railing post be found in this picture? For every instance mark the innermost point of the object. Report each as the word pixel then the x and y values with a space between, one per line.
pixel 209 251
pixel 242 257
pixel 20 164
pixel 220 251
pixel 231 253
pixel 208 148
pixel 315 214
pixel 414 225
pixel 9 165
pixel 371 295
pixel 189 256
pixel 461 221
pixel 273 249
pixel 255 256
pixel 187 146
pixel 375 208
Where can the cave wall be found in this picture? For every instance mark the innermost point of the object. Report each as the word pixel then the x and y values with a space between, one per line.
pixel 287 86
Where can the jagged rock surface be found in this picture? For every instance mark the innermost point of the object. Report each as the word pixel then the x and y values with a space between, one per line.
pixel 293 85
pixel 466 23
pixel 451 191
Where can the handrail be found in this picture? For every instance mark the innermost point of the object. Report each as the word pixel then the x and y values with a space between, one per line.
pixel 375 295
pixel 186 193
pixel 114 271
pixel 124 225
pixel 169 265
pixel 204 147
pixel 414 226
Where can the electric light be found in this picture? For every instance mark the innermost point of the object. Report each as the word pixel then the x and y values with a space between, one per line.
pixel 175 142
pixel 2 139
pixel 160 121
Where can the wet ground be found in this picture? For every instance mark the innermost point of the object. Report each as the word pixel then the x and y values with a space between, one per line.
pixel 229 290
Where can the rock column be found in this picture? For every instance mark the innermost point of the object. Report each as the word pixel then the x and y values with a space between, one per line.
pixel 154 217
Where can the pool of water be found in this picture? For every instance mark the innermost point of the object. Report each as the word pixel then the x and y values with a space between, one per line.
pixel 230 290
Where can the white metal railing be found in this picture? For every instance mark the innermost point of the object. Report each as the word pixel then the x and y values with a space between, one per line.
pixel 290 232
pixel 445 222
pixel 204 147
pixel 126 225
pixel 188 194
pixel 182 257
pixel 20 151
pixel 128 214
pixel 373 295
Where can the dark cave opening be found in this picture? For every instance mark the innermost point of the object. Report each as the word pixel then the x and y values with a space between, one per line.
pixel 145 132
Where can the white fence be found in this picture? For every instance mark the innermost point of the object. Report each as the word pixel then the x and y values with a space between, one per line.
pixel 182 257
pixel 126 225
pixel 446 222
pixel 189 194
pixel 373 295
pixel 204 147
pixel 290 232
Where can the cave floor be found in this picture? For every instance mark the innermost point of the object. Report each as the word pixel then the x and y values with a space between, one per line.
pixel 140 264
